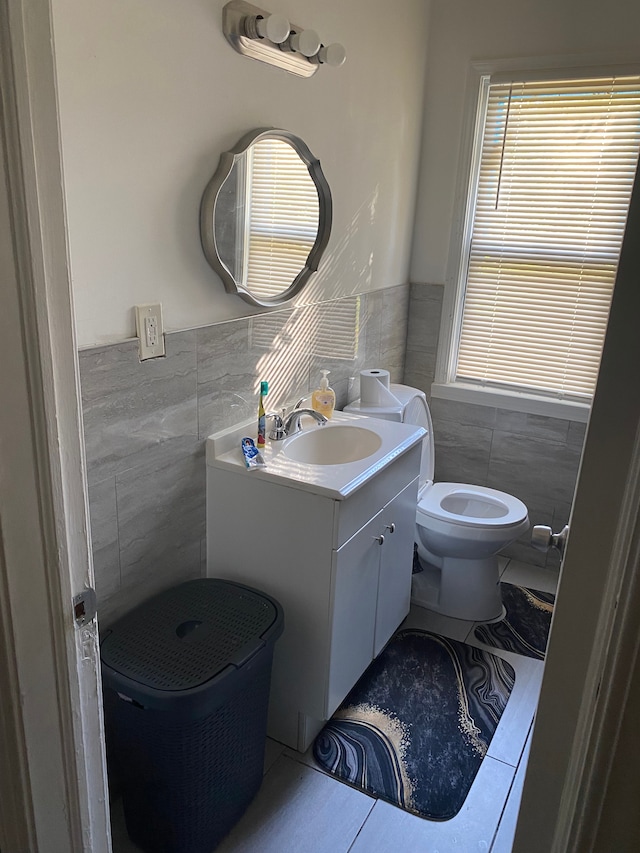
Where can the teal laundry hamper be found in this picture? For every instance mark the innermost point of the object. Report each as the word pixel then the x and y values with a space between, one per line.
pixel 186 679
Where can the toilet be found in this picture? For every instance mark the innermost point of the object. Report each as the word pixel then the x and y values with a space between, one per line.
pixel 460 528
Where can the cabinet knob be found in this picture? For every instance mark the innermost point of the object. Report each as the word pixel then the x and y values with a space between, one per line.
pixel 379 539
pixel 391 527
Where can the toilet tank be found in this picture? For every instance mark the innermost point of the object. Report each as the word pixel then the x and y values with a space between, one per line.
pixel 412 408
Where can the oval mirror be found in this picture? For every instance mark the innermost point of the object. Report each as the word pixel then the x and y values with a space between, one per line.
pixel 265 217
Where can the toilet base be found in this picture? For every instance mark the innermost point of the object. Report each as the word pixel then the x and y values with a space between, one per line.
pixel 462 589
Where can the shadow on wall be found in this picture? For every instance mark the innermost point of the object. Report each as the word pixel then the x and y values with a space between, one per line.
pixel 145 423
pixel 344 259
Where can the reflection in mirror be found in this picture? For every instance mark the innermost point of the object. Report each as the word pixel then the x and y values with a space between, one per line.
pixel 265 217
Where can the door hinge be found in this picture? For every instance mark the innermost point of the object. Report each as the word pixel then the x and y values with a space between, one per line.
pixel 85 606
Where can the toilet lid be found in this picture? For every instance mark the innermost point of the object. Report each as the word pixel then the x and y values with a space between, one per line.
pixel 470 506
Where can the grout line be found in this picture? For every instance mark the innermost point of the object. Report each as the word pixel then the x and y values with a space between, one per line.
pixel 506 566
pixel 362 826
pixel 513 781
pixel 299 759
pixel 504 808
pixel 115 494
pixel 506 763
pixel 469 635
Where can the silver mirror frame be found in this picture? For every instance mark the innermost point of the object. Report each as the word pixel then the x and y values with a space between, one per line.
pixel 208 210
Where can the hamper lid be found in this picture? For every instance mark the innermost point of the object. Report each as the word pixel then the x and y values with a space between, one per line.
pixel 187 635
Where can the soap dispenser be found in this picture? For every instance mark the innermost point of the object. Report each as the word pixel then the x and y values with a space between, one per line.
pixel 323 399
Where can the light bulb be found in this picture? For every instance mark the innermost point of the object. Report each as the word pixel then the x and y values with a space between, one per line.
pixel 307 42
pixel 334 54
pixel 274 27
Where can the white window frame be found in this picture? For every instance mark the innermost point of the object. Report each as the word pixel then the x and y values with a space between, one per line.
pixel 480 76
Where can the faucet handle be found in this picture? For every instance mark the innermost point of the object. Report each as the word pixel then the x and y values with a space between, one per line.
pixel 278 431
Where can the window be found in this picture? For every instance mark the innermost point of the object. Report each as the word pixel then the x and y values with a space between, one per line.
pixel 280 227
pixel 554 168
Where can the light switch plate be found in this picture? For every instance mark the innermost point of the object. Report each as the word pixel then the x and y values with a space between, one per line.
pixel 150 330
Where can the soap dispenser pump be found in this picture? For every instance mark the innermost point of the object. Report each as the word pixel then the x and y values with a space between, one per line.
pixel 323 399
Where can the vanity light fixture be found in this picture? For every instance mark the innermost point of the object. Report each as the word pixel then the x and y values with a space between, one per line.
pixel 273 27
pixel 333 54
pixel 306 42
pixel 271 38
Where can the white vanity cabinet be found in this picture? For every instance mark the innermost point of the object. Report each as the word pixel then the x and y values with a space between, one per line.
pixel 371 589
pixel 341 568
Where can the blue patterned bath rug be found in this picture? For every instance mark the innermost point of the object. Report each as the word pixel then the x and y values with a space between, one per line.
pixel 415 728
pixel 525 626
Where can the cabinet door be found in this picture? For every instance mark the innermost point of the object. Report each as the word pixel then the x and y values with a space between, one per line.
pixel 397 523
pixel 354 595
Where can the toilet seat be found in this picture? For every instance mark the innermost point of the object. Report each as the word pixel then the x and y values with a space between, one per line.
pixel 470 506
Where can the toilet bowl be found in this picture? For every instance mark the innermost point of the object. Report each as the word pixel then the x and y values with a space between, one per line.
pixel 460 528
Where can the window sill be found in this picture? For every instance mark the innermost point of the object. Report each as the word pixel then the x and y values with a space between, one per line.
pixel 513 400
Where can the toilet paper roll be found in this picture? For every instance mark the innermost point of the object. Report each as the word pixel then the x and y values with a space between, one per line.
pixel 374 387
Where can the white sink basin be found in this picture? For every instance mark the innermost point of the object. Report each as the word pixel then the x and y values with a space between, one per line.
pixel 332 445
pixel 332 460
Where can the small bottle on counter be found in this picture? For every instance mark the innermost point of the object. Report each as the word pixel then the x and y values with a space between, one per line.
pixel 323 399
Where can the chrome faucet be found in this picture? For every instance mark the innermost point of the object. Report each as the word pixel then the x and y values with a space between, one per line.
pixel 285 426
pixel 292 422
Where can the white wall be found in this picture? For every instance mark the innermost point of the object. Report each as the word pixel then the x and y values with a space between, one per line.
pixel 461 31
pixel 151 94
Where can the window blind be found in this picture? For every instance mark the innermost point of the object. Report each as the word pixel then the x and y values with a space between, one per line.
pixel 555 176
pixel 281 227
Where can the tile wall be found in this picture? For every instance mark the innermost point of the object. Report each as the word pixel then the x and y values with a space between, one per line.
pixel 533 457
pixel 146 423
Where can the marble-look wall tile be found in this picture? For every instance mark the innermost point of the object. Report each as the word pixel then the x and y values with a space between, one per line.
pixel 576 434
pixel 281 343
pixel 340 346
pixel 423 332
pixel 561 515
pixel 537 471
pixel 225 376
pixel 104 537
pixel 425 311
pixel 372 321
pixel 145 425
pixel 382 327
pixel 419 370
pixel 462 452
pixel 130 406
pixel 393 332
pixel 463 413
pixel 288 348
pixel 349 335
pixel 536 426
pixel 170 517
pixel 161 521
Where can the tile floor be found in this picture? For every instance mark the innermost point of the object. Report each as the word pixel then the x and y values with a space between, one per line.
pixel 301 809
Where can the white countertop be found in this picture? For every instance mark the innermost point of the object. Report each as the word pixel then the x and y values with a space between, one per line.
pixel 336 481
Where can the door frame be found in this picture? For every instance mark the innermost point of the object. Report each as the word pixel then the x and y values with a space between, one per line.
pixel 595 632
pixel 53 789
pixel 59 792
